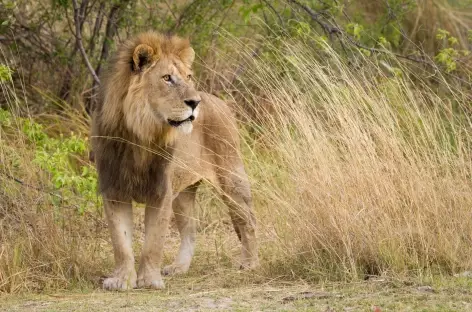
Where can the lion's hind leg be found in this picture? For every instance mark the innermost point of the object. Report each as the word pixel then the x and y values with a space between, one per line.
pixel 120 223
pixel 183 206
pixel 236 194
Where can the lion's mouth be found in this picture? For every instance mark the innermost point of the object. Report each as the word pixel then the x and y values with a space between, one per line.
pixel 176 123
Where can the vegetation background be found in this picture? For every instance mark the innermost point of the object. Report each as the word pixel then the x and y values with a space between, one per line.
pixel 355 118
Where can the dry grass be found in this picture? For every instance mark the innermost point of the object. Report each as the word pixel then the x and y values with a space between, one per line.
pixel 430 15
pixel 44 242
pixel 355 171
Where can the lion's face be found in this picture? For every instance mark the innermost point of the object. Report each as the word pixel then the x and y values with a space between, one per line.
pixel 161 94
pixel 171 93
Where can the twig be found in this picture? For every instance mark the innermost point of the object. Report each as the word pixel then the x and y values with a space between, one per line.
pixel 78 37
pixel 315 16
pixel 275 12
pixel 392 17
pixel 96 28
pixel 170 9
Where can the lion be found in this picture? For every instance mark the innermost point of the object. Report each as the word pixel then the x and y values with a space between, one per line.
pixel 154 139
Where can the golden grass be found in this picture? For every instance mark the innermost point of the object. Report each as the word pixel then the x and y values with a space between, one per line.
pixel 357 171
pixel 42 246
pixel 430 15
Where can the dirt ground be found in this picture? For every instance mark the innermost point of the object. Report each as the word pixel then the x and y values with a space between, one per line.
pixel 191 294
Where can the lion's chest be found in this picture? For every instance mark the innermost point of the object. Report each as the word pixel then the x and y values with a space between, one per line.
pixel 191 163
pixel 182 179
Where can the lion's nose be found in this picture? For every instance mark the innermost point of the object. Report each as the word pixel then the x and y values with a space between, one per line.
pixel 193 103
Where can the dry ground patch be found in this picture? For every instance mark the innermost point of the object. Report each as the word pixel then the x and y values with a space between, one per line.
pixel 187 294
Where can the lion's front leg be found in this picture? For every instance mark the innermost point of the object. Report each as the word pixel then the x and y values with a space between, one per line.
pixel 120 222
pixel 156 220
pixel 183 206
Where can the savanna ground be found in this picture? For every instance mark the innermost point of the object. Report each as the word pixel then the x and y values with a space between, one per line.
pixel 356 130
pixel 202 293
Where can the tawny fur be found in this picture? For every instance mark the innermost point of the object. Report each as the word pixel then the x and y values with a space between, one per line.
pixel 141 157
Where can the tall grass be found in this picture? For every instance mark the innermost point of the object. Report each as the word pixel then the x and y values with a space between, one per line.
pixel 46 240
pixel 357 170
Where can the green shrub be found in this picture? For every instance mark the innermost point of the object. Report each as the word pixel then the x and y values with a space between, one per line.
pixel 62 160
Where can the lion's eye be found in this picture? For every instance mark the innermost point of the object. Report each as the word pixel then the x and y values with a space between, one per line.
pixel 166 77
pixel 189 77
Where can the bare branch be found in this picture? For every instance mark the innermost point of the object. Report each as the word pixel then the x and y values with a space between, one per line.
pixel 96 28
pixel 275 12
pixel 316 17
pixel 78 38
pixel 111 29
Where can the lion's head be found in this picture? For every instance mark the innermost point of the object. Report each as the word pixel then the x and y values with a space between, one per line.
pixel 150 87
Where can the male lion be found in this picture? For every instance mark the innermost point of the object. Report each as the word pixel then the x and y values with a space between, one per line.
pixel 154 139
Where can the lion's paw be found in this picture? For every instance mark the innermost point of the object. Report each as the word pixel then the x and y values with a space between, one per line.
pixel 151 279
pixel 120 282
pixel 156 283
pixel 249 264
pixel 174 269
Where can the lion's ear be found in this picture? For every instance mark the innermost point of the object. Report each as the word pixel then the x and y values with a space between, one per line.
pixel 187 56
pixel 143 56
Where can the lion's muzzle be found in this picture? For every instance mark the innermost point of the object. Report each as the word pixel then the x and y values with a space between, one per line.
pixel 177 123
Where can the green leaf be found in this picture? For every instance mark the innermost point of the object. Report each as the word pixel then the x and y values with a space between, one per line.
pixel 365 52
pixel 382 40
pixel 453 40
pixel 5 118
pixel 442 34
pixel 5 73
pixel 447 58
pixel 355 30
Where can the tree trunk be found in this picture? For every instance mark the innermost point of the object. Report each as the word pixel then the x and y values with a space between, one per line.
pixel 114 17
